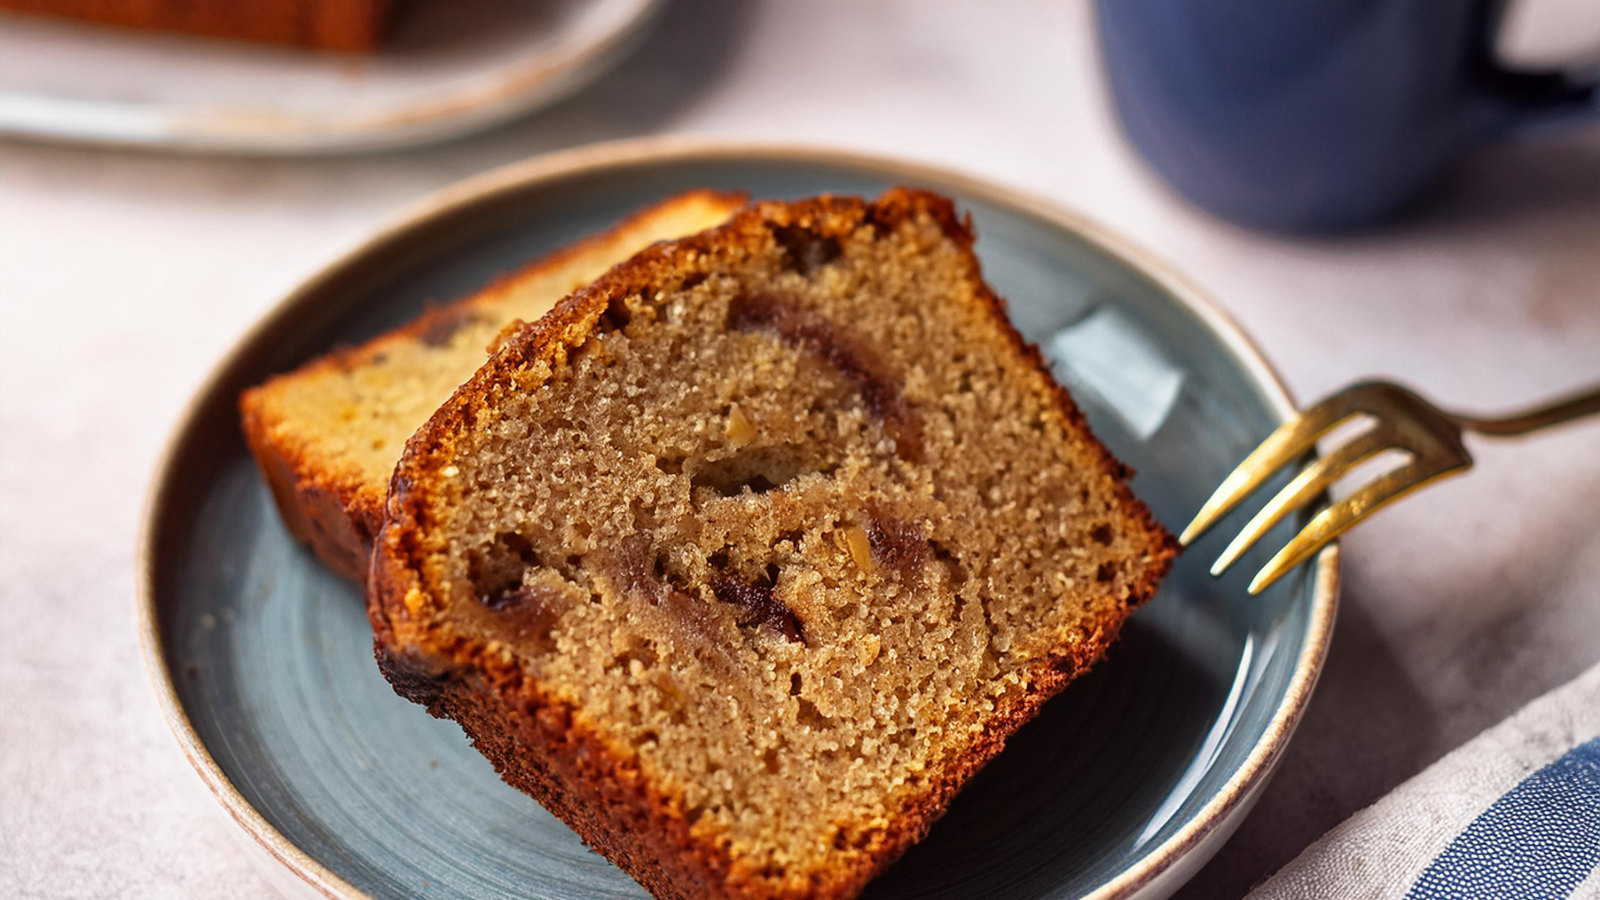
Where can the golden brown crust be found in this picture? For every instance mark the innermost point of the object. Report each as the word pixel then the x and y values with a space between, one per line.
pixel 337 511
pixel 597 788
pixel 322 511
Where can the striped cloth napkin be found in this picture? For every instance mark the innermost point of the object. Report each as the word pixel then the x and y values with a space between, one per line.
pixel 1514 813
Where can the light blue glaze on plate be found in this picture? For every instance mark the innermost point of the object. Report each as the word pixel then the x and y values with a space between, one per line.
pixel 1116 786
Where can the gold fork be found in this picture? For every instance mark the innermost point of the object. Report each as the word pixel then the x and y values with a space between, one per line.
pixel 1403 421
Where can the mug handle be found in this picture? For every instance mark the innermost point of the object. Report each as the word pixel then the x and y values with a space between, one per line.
pixel 1532 99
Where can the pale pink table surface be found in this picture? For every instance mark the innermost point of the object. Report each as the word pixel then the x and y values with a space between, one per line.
pixel 125 276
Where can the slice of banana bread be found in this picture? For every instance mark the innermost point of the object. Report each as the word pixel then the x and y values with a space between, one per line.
pixel 745 558
pixel 327 435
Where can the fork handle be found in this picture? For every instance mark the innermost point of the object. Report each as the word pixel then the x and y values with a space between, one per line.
pixel 1583 403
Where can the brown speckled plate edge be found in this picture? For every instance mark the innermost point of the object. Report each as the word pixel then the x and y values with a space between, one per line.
pixel 1158 873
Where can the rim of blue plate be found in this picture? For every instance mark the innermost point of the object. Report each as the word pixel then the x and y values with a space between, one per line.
pixel 1218 812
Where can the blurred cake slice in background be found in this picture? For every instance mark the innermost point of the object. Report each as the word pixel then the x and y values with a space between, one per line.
pixel 347 26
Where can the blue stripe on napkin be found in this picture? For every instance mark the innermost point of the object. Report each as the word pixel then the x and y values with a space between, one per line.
pixel 1538 841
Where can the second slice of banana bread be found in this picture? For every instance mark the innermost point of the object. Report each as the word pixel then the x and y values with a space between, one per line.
pixel 327 435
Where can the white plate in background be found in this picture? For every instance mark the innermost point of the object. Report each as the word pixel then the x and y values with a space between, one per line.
pixel 447 67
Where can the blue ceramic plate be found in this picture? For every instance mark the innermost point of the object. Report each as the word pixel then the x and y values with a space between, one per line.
pixel 1123 787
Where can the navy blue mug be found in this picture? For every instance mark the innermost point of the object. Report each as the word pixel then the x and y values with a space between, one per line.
pixel 1316 114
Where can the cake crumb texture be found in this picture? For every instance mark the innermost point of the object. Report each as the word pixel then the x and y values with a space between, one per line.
pixel 749 555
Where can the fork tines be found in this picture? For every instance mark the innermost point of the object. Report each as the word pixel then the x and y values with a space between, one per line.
pixel 1403 422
